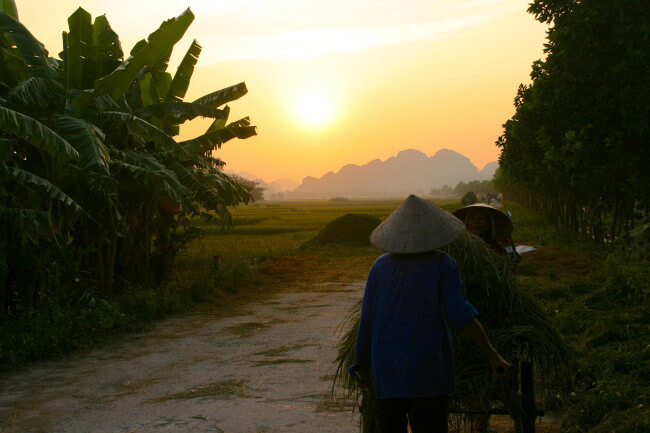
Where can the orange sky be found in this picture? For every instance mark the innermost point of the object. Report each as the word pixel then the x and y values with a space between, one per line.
pixel 383 75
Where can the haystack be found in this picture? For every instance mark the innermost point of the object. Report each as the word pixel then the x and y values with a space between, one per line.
pixel 350 230
pixel 469 198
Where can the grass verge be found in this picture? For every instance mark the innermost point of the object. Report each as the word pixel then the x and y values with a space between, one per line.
pixel 598 300
pixel 259 256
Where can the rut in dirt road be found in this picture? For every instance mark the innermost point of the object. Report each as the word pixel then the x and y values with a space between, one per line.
pixel 268 370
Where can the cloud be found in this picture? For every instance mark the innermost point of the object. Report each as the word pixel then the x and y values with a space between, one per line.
pixel 312 42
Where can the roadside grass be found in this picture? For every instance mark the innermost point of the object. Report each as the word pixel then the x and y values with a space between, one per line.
pixel 599 303
pixel 259 256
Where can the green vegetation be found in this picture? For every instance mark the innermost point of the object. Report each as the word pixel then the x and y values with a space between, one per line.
pixel 259 255
pixel 96 196
pixel 576 149
pixel 596 300
pixel 599 303
pixel 576 152
pixel 474 186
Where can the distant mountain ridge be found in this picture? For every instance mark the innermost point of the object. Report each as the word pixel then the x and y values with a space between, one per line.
pixel 274 187
pixel 409 172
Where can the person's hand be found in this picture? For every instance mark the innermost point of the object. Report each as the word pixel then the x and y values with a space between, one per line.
pixel 500 367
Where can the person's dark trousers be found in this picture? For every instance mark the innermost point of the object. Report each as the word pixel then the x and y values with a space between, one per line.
pixel 425 415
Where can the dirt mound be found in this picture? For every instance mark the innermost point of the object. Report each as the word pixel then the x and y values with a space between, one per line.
pixel 349 229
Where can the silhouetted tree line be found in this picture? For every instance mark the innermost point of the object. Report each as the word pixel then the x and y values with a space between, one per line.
pixel 577 148
pixel 462 188
pixel 475 186
pixel 255 187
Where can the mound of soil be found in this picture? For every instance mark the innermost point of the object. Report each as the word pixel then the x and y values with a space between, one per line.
pixel 349 229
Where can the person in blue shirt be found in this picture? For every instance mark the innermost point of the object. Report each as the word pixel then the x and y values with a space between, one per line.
pixel 413 293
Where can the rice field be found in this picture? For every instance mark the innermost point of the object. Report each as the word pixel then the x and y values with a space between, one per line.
pixel 593 297
pixel 596 299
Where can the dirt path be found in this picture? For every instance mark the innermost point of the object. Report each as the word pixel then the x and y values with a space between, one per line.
pixel 266 370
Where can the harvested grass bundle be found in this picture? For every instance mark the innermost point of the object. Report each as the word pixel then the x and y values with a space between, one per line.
pixel 516 326
pixel 349 229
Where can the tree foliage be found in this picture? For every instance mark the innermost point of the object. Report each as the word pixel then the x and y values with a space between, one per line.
pixel 475 186
pixel 94 187
pixel 577 147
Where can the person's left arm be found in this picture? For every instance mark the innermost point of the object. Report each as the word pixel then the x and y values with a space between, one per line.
pixel 464 317
pixel 458 310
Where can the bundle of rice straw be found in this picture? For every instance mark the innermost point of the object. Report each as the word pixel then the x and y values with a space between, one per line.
pixel 516 326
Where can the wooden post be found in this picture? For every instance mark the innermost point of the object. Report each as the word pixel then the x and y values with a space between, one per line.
pixel 528 397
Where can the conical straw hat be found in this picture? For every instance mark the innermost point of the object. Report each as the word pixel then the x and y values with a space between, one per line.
pixel 502 222
pixel 416 226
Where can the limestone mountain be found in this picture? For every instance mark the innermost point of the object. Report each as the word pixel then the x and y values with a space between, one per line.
pixel 410 171
pixel 273 187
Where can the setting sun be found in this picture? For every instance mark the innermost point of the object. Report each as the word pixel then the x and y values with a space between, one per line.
pixel 314 108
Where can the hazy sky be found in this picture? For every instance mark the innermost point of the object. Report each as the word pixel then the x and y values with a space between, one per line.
pixel 336 82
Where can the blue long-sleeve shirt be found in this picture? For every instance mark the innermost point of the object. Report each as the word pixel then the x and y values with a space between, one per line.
pixel 403 335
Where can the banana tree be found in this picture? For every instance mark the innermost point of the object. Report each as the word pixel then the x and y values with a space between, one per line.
pixel 94 184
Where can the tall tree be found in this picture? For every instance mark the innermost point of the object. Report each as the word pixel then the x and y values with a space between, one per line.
pixel 578 143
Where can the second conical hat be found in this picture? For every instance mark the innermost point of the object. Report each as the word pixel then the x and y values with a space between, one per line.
pixel 416 226
pixel 502 222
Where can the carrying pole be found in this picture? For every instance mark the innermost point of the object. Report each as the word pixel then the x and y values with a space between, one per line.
pixel 528 397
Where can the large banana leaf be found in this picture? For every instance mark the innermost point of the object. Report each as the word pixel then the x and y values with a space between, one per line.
pixel 13 68
pixel 179 112
pixel 108 48
pixel 144 160
pixel 34 92
pixel 90 51
pixel 148 92
pixel 219 123
pixel 30 49
pixel 79 51
pixel 36 133
pixel 29 223
pixel 208 163
pixel 212 139
pixel 184 72
pixel 87 139
pixel 229 189
pixel 6 149
pixel 146 169
pixel 25 178
pixel 209 198
pixel 142 128
pixel 145 54
pixel 153 88
pixel 106 103
pixel 223 96
pixel 9 7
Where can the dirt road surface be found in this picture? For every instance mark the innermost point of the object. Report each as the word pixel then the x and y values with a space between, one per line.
pixel 265 370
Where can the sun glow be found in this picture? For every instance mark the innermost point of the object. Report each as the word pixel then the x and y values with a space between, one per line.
pixel 314 108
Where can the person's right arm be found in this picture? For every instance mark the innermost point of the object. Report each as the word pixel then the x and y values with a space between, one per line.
pixel 361 368
pixel 475 332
